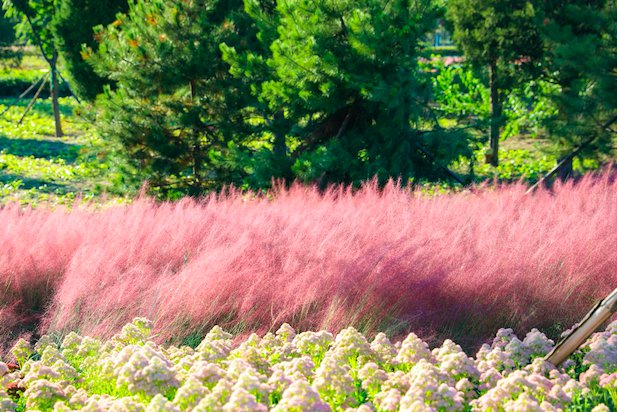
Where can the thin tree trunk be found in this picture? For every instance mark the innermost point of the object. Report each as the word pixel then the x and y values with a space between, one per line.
pixel 495 115
pixel 54 94
pixel 52 61
pixel 566 169
pixel 569 157
pixel 197 180
pixel 279 147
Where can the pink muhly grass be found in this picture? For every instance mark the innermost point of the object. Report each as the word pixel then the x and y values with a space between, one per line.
pixel 458 265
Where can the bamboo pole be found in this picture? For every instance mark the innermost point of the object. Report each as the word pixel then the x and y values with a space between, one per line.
pixel 583 330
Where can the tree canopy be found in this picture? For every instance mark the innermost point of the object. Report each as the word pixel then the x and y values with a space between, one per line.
pixel 581 58
pixel 503 36
pixel 194 95
pixel 72 26
pixel 172 104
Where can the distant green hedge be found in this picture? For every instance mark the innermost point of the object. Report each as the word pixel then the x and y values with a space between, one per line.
pixel 446 51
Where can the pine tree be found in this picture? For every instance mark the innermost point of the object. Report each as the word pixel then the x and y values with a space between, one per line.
pixel 267 153
pixel 341 79
pixel 173 107
pixel 581 57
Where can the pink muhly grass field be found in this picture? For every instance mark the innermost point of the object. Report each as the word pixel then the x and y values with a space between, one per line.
pixel 459 265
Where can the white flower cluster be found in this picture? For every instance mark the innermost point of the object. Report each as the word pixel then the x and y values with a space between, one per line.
pixel 308 371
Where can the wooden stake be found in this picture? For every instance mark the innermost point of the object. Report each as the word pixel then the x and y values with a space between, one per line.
pixel 21 96
pixel 36 95
pixel 583 330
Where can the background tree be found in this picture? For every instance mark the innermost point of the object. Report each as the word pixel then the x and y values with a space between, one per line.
pixel 35 17
pixel 73 25
pixel 501 35
pixel 9 54
pixel 581 59
pixel 173 107
pixel 345 76
pixel 266 153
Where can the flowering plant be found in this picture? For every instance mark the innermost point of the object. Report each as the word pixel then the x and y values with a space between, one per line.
pixel 308 371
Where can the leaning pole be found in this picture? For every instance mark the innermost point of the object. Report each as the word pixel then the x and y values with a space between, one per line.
pixel 583 330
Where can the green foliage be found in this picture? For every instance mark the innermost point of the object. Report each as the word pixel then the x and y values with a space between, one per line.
pixel 10 55
pixel 169 111
pixel 460 93
pixel 503 37
pixel 346 104
pixel 495 31
pixel 73 28
pixel 34 19
pixel 586 401
pixel 516 164
pixel 339 92
pixel 7 31
pixel 35 168
pixel 14 81
pixel 581 39
pixel 528 107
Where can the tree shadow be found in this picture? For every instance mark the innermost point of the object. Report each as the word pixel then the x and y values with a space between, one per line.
pixel 42 106
pixel 43 186
pixel 40 148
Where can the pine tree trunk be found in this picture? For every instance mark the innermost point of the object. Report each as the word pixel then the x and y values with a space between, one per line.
pixel 279 148
pixel 197 182
pixel 54 95
pixel 495 115
pixel 566 167
pixel 197 149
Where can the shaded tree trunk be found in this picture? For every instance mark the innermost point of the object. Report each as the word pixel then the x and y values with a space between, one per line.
pixel 197 185
pixel 53 84
pixel 565 167
pixel 279 147
pixel 496 110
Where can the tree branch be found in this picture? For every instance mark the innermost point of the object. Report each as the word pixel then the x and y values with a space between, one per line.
pixel 569 157
pixel 37 38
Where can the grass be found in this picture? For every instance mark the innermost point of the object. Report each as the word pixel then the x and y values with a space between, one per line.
pixel 15 80
pixel 390 260
pixel 37 167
